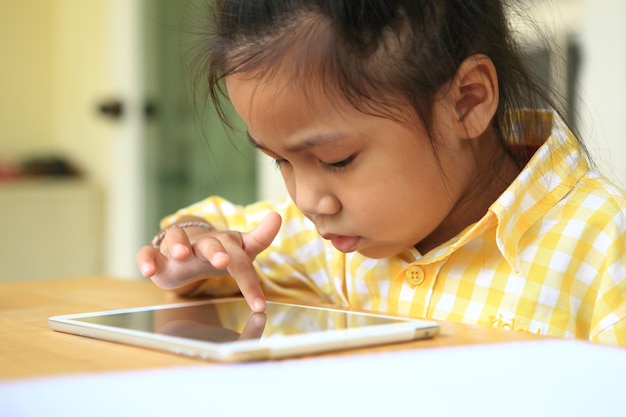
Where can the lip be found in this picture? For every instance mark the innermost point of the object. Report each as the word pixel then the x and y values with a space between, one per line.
pixel 342 243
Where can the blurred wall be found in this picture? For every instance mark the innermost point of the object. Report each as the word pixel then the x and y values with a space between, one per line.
pixel 602 33
pixel 27 47
pixel 82 66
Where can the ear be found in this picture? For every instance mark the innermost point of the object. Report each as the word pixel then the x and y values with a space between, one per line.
pixel 473 93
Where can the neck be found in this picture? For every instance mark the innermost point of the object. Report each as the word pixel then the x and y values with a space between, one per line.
pixel 495 171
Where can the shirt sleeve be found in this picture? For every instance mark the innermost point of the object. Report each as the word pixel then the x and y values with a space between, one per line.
pixel 614 335
pixel 224 215
pixel 609 315
pixel 608 324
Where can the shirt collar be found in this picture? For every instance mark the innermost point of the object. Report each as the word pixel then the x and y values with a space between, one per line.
pixel 549 175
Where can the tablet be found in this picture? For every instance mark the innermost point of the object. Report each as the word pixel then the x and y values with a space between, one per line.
pixel 226 330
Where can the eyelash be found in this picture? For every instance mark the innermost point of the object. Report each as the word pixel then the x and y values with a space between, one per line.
pixel 279 162
pixel 334 166
pixel 340 165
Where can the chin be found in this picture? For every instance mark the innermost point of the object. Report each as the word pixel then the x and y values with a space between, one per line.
pixel 377 253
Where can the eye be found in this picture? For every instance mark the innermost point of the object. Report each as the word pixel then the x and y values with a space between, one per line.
pixel 340 164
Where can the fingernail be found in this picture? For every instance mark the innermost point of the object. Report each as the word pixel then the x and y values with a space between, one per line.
pixel 179 249
pixel 219 259
pixel 259 305
pixel 146 269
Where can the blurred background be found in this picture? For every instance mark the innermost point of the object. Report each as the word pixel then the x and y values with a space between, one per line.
pixel 99 138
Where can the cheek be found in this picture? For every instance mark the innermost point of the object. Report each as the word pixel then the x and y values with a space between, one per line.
pixel 412 189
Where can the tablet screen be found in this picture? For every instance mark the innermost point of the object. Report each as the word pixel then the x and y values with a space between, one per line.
pixel 231 320
pixel 227 330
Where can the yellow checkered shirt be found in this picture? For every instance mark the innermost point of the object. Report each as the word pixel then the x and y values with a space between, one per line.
pixel 549 256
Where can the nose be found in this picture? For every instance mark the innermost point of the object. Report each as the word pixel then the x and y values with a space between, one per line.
pixel 313 196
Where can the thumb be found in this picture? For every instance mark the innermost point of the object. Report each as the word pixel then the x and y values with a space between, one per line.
pixel 262 236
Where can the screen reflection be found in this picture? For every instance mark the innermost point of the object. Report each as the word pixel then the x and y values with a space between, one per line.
pixel 231 320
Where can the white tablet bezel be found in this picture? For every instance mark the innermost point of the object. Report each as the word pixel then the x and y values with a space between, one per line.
pixel 275 347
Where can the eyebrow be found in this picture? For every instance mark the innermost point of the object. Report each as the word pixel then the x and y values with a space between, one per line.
pixel 314 141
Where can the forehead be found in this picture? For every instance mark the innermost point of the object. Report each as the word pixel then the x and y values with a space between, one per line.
pixel 281 100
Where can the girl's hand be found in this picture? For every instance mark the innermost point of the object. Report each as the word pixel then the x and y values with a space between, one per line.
pixel 186 257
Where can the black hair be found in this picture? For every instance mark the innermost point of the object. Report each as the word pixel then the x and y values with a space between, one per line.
pixel 372 51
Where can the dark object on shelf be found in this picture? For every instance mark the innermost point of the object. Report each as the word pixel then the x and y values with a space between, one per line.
pixel 48 166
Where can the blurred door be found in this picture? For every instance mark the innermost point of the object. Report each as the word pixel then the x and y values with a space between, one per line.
pixel 188 154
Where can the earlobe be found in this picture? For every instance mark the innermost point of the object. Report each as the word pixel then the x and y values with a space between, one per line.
pixel 474 94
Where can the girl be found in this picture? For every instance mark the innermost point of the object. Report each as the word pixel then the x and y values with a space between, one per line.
pixel 424 179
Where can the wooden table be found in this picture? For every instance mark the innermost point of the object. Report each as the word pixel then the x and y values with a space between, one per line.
pixel 28 348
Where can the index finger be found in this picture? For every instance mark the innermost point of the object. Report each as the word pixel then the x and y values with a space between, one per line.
pixel 241 269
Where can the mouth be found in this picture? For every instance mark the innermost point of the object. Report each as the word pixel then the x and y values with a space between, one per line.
pixel 344 244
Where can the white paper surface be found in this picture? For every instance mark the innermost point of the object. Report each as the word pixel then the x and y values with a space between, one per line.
pixel 547 378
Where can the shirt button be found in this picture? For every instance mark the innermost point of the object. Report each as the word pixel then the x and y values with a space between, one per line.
pixel 414 275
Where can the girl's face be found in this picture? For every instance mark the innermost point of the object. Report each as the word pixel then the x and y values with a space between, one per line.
pixel 370 184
